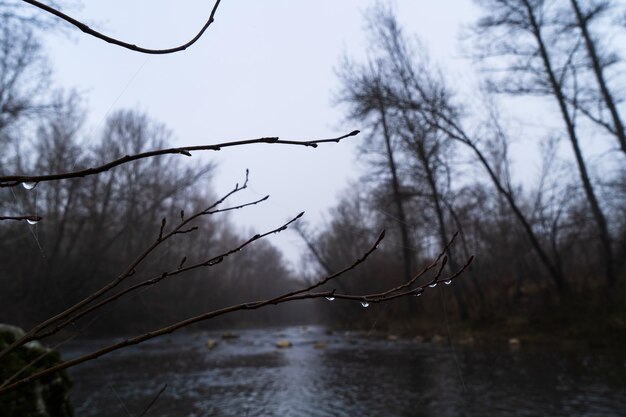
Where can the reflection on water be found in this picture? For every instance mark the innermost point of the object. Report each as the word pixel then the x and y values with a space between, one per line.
pixel 352 376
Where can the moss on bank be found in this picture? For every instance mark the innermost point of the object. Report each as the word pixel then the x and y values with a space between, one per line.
pixel 47 397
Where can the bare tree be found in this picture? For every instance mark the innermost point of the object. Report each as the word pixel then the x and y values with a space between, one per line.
pixel 520 29
pixel 382 86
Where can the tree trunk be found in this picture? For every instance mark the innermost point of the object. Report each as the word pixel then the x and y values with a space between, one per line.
pixel 397 198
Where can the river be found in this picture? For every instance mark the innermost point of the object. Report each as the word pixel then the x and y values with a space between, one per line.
pixel 344 374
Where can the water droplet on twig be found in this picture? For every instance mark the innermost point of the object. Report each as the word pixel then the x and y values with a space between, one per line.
pixel 32 221
pixel 330 298
pixel 448 282
pixel 29 185
pixel 365 304
pixel 433 285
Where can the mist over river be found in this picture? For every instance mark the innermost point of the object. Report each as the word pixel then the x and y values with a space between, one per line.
pixel 328 373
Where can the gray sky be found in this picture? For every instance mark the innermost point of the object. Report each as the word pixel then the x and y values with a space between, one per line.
pixel 265 68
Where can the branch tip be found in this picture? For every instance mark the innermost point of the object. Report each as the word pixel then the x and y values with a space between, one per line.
pixel 163 222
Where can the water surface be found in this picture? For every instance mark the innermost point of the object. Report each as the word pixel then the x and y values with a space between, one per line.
pixel 353 375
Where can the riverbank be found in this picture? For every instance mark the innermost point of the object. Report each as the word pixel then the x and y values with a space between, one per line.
pixel 560 330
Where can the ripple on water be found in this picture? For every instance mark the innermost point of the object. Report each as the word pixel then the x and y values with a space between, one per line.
pixel 353 375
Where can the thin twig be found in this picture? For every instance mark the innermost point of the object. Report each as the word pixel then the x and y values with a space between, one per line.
pixel 47 352
pixel 154 400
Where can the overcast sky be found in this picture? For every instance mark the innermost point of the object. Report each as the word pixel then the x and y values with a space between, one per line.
pixel 264 68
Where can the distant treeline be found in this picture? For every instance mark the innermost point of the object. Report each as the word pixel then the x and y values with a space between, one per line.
pixel 93 227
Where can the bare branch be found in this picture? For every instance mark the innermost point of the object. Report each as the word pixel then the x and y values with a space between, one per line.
pixel 330 277
pixel 14 180
pixel 301 294
pixel 179 270
pixel 378 298
pixel 373 298
pixel 586 112
pixel 89 31
pixel 425 270
pixel 129 271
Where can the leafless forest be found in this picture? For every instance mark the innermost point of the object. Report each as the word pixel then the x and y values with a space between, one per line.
pixel 117 232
